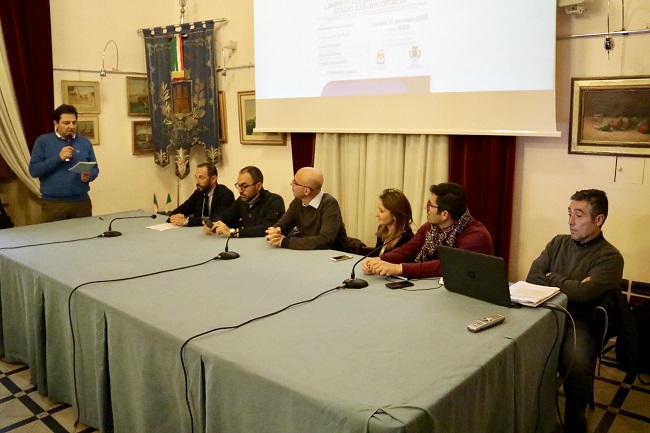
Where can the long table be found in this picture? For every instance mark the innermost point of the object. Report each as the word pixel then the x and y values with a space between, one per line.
pixel 352 360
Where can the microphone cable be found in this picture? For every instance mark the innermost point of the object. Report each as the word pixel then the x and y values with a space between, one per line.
pixel 74 354
pixel 548 357
pixel 232 327
pixel 556 307
pixel 49 243
pixel 72 240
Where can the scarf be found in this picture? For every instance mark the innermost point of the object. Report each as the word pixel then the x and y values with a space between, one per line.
pixel 436 236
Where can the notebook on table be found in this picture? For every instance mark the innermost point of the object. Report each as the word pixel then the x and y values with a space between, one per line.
pixel 484 277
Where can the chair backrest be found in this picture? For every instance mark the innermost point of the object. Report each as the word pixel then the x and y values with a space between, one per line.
pixel 613 318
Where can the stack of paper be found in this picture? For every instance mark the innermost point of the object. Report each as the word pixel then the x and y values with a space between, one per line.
pixel 531 295
pixel 82 167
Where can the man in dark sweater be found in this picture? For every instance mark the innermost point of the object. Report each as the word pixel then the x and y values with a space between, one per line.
pixel 209 199
pixel 584 266
pixel 448 223
pixel 254 210
pixel 313 220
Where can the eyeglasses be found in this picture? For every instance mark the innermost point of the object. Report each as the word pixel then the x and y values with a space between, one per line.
pixel 429 205
pixel 243 186
pixel 294 183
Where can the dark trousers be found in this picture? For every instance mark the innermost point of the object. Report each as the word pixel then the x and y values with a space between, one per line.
pixel 576 366
pixel 57 210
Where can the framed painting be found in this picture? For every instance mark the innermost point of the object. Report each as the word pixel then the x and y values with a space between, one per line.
pixel 610 116
pixel 247 119
pixel 83 95
pixel 137 96
pixel 142 137
pixel 223 124
pixel 88 126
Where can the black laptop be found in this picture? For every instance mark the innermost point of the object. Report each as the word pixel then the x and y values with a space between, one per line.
pixel 476 275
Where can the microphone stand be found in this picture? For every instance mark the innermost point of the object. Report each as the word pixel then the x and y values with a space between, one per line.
pixel 359 283
pixel 113 234
pixel 228 255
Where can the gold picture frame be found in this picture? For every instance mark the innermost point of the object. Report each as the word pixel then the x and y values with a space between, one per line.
pixel 247 119
pixel 137 96
pixel 88 126
pixel 83 95
pixel 223 123
pixel 142 137
pixel 610 116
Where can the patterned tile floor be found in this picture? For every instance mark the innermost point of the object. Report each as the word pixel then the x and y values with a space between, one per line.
pixel 24 410
pixel 622 402
pixel 622 405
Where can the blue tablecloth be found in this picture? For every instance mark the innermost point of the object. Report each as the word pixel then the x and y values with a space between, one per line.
pixel 374 359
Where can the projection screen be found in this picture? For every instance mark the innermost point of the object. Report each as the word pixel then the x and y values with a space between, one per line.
pixel 406 66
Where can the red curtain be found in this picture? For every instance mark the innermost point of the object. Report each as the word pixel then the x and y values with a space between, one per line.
pixel 302 150
pixel 485 167
pixel 28 38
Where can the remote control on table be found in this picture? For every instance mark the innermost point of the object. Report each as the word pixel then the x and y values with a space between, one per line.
pixel 485 323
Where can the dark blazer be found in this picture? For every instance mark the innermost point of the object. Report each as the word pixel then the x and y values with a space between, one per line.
pixel 406 236
pixel 193 206
pixel 253 221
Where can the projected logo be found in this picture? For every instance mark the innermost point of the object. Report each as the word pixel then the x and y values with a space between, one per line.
pixel 380 57
pixel 414 53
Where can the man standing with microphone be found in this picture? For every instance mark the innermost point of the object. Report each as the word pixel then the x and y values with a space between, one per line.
pixel 64 192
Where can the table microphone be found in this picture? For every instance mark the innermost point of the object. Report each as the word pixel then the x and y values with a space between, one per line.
pixel 111 233
pixel 358 283
pixel 228 255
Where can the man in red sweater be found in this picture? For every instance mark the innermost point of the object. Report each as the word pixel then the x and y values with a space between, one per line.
pixel 448 223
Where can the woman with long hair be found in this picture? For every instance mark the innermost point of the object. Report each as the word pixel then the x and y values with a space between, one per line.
pixel 394 216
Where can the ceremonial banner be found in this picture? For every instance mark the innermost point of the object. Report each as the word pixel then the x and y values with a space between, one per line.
pixel 182 93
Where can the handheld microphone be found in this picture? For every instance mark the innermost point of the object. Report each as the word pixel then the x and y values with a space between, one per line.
pixel 111 233
pixel 68 159
pixel 228 255
pixel 358 283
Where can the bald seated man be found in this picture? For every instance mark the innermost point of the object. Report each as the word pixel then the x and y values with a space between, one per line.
pixel 313 220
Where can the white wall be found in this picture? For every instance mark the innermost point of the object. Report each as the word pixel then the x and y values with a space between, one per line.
pixel 81 29
pixel 546 175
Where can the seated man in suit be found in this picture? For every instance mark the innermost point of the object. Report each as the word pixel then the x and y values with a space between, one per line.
pixel 254 210
pixel 584 266
pixel 313 220
pixel 448 223
pixel 209 199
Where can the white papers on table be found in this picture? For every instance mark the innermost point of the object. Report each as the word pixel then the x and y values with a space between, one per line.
pixel 82 167
pixel 162 227
pixel 531 295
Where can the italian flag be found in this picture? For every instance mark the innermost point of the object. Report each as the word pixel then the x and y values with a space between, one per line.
pixel 176 53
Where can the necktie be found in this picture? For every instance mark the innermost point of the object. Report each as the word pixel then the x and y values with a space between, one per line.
pixel 206 205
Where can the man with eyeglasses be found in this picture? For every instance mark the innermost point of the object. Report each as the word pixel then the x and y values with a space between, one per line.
pixel 313 220
pixel 448 223
pixel 254 210
pixel 209 199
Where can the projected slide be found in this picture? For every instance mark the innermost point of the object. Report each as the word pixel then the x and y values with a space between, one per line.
pixel 374 47
pixel 406 66
pixel 314 48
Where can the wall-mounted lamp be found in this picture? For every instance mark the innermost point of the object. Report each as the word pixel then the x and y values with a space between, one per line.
pixel 102 72
pixel 232 46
